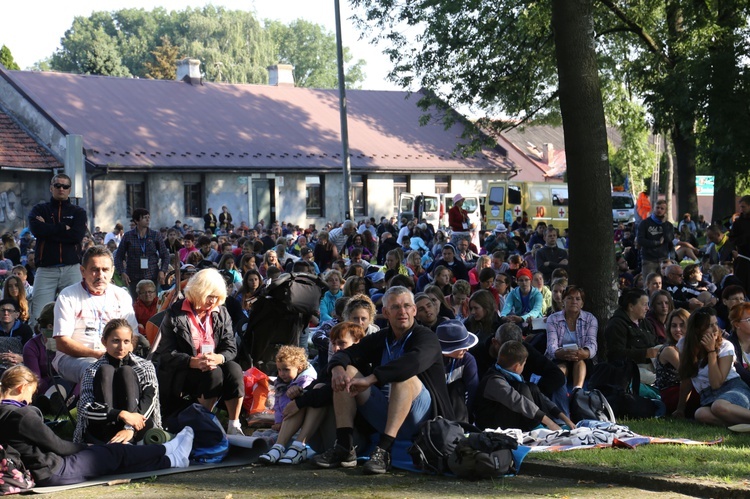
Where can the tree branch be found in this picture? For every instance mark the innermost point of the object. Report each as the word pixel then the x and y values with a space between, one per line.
pixel 638 30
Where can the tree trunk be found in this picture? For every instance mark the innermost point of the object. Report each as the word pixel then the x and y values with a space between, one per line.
pixel 726 126
pixel 591 249
pixel 684 150
pixel 725 192
pixel 669 188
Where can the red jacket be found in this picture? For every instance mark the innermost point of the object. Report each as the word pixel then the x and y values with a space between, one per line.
pixel 456 218
pixel 144 312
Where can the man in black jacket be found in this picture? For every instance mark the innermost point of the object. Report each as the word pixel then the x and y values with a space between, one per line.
pixel 407 382
pixel 59 227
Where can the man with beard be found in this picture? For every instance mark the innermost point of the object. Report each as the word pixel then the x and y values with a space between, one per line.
pixel 83 309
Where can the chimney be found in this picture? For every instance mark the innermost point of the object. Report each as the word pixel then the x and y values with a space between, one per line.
pixel 189 70
pixel 280 75
pixel 548 153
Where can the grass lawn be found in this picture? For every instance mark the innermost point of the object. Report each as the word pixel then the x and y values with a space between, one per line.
pixel 728 462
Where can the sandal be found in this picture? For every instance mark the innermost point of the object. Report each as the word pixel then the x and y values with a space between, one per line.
pixel 294 455
pixel 273 455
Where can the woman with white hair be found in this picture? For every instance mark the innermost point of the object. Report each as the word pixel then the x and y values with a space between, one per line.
pixel 197 350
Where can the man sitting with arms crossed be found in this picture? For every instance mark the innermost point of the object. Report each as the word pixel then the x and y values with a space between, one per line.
pixel 407 378
pixel 83 309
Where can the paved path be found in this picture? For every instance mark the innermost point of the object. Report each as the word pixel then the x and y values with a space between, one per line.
pixel 306 481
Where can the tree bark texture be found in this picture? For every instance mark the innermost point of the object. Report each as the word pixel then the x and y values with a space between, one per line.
pixel 589 182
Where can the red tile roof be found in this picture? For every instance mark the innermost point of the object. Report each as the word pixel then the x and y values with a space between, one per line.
pixel 19 150
pixel 134 124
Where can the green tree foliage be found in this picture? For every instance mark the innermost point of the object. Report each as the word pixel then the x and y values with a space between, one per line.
pixel 312 51
pixel 232 46
pixel 6 58
pixel 165 57
pixel 684 61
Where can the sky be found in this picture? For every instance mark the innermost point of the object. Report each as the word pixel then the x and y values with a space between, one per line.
pixel 32 29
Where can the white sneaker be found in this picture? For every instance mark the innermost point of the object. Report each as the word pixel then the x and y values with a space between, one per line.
pixel 235 430
pixel 294 455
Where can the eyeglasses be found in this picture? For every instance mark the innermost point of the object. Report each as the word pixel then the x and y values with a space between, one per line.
pixel 61 186
pixel 746 319
pixel 149 292
pixel 7 310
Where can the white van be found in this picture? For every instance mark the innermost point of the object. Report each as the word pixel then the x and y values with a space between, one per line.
pixel 419 206
pixel 623 208
pixel 473 204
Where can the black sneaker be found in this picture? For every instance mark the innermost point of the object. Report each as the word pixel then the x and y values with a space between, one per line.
pixel 336 456
pixel 379 463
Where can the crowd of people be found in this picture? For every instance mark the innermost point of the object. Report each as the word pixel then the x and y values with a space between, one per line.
pixel 415 322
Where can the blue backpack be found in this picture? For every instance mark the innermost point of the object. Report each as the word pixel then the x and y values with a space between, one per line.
pixel 210 444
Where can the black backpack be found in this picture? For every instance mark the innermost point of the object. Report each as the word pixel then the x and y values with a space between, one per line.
pixel 590 404
pixel 281 310
pixel 486 454
pixel 435 442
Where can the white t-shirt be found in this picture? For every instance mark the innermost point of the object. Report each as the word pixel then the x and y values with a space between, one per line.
pixel 700 381
pixel 82 316
pixel 403 232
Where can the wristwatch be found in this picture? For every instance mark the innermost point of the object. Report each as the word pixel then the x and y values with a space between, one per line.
pixel 129 427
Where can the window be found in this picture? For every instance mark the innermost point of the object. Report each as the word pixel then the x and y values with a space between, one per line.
pixel 514 194
pixel 400 184
pixel 497 196
pixel 359 195
pixel 442 184
pixel 193 204
pixel 136 196
pixel 559 196
pixel 315 196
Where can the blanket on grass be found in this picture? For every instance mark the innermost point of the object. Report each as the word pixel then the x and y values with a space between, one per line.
pixel 590 434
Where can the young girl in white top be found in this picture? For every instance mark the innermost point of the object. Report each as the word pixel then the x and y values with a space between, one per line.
pixel 707 360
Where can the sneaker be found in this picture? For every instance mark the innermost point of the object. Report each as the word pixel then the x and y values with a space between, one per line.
pixel 337 456
pixel 294 455
pixel 235 430
pixel 178 449
pixel 379 463
pixel 273 454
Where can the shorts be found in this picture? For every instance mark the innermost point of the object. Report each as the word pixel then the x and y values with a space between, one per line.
pixel 375 412
pixel 734 391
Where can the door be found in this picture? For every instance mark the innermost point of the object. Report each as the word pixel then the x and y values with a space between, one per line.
pixel 264 200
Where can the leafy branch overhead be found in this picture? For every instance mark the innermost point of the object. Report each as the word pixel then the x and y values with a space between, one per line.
pixel 681 64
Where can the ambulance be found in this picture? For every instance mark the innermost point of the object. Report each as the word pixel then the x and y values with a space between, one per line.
pixel 537 201
pixel 543 202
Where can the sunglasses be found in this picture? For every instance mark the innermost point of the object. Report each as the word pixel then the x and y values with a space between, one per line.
pixel 61 186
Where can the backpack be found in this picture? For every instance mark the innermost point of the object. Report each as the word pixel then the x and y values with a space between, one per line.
pixel 210 444
pixel 299 293
pixel 280 312
pixel 484 454
pixel 435 442
pixel 14 477
pixel 590 404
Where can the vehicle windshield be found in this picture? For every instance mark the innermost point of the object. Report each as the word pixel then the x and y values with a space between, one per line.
pixel 622 203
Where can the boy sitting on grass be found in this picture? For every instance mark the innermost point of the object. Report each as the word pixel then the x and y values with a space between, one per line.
pixel 505 400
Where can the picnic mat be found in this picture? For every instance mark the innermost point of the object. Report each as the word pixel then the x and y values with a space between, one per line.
pixel 242 451
pixel 590 434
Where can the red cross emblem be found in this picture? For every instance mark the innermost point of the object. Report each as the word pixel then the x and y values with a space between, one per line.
pixel 517 211
pixel 561 212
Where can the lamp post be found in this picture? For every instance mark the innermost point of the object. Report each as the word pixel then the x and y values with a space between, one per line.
pixel 347 165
